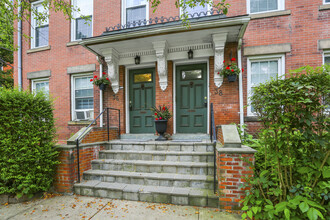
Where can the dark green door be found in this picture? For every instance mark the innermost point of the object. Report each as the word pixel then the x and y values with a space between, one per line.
pixel 191 98
pixel 141 99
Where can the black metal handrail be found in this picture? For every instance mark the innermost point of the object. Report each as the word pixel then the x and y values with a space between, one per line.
pixel 108 131
pixel 213 137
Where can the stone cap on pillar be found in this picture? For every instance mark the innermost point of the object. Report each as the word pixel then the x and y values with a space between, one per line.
pixel 231 138
pixel 242 150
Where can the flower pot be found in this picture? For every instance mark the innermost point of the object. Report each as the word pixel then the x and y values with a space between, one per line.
pixel 102 86
pixel 232 78
pixel 161 126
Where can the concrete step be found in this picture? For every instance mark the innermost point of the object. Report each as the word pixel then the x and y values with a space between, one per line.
pixel 186 146
pixel 183 156
pixel 151 179
pixel 158 194
pixel 195 168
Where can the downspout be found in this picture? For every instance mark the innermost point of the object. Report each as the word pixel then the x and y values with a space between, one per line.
pixel 19 44
pixel 99 59
pixel 240 85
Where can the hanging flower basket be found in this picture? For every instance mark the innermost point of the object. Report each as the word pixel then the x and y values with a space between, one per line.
pixel 101 82
pixel 231 71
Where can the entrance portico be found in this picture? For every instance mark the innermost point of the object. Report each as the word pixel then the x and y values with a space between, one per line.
pixel 182 84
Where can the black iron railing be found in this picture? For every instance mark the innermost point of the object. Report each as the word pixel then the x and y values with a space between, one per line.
pixel 108 131
pixel 213 137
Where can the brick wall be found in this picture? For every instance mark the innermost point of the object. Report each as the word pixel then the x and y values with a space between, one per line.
pixel 98 134
pixel 232 170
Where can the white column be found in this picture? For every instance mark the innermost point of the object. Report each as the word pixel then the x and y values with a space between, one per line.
pixel 161 49
pixel 111 57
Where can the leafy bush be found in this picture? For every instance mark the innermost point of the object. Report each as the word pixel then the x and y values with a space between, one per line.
pixel 292 172
pixel 27 153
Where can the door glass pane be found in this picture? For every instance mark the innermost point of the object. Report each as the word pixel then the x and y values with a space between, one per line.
pixel 135 14
pixel 192 74
pixel 143 77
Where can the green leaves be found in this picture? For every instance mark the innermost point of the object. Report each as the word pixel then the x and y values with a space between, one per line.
pixel 303 207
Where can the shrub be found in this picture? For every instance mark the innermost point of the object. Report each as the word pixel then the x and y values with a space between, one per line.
pixel 292 172
pixel 27 153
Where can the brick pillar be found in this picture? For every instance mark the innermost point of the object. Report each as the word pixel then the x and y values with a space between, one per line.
pixel 234 165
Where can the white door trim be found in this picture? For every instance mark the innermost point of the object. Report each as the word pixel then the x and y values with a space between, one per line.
pixel 184 62
pixel 127 69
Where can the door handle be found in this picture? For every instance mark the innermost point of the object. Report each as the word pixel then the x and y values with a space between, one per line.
pixel 130 106
pixel 142 86
pixel 205 101
pixel 191 84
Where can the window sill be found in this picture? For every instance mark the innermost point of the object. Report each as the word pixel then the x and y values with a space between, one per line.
pixel 270 14
pixel 38 49
pixel 73 43
pixel 324 7
pixel 80 122
pixel 251 119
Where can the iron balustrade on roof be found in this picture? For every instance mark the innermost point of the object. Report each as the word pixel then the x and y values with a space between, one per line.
pixel 108 132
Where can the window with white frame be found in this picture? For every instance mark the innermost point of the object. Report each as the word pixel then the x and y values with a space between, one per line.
pixel 256 6
pixel 41 85
pixel 326 56
pixel 39 29
pixel 134 11
pixel 82 97
pixel 326 1
pixel 197 9
pixel 260 70
pixel 81 27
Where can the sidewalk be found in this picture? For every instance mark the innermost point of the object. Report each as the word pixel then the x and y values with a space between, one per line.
pixel 82 207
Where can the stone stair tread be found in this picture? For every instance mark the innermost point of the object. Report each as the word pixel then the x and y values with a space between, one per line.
pixel 151 175
pixel 152 142
pixel 191 192
pixel 150 162
pixel 179 153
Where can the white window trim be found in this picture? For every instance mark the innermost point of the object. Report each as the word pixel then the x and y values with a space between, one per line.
pixel 281 6
pixel 326 53
pixel 34 25
pixel 208 9
pixel 73 22
pixel 325 3
pixel 34 81
pixel 73 103
pixel 281 67
pixel 123 11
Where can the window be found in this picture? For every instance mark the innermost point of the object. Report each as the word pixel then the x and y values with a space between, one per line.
pixel 326 1
pixel 262 69
pixel 197 9
pixel 134 11
pixel 41 85
pixel 326 59
pixel 256 6
pixel 82 97
pixel 39 29
pixel 80 27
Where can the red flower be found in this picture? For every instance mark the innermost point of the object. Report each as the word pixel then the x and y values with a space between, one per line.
pixel 95 76
pixel 91 80
pixel 160 118
pixel 242 70
pixel 233 59
pixel 164 108
pixel 156 119
pixel 232 70
pixel 156 114
pixel 103 73
pixel 224 61
pixel 107 79
pixel 227 68
pixel 218 73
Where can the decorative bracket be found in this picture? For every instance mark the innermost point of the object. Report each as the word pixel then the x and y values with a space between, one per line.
pixel 111 57
pixel 219 41
pixel 161 49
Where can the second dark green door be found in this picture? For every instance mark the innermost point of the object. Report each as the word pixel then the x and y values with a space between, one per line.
pixel 191 98
pixel 141 99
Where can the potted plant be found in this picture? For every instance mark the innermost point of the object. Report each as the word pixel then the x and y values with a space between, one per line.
pixel 162 115
pixel 231 71
pixel 101 82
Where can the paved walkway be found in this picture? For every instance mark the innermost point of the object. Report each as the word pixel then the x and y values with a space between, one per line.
pixel 82 207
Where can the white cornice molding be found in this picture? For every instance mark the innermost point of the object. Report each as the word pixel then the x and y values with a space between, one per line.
pixel 111 57
pixel 219 41
pixel 161 49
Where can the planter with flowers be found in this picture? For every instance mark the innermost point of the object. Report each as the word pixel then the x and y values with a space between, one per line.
pixel 162 115
pixel 231 71
pixel 101 82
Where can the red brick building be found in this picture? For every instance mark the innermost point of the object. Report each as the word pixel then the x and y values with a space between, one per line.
pixel 267 37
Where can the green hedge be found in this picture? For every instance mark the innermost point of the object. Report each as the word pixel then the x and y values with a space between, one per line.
pixel 292 172
pixel 27 153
